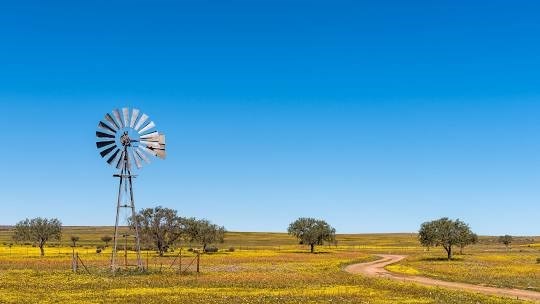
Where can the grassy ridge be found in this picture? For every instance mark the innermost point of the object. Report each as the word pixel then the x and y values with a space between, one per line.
pixel 90 236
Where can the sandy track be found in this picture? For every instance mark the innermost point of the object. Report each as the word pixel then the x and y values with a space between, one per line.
pixel 376 269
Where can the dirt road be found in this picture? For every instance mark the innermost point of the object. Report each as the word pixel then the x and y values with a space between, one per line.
pixel 376 269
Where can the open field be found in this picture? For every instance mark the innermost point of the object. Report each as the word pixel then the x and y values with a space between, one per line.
pixel 264 268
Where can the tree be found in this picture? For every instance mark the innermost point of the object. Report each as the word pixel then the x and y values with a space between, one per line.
pixel 74 239
pixel 426 235
pixel 203 232
pixel 38 230
pixel 506 240
pixel 310 231
pixel 106 239
pixel 466 236
pixel 160 226
pixel 446 233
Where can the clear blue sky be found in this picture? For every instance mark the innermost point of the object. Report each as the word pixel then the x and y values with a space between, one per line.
pixel 375 116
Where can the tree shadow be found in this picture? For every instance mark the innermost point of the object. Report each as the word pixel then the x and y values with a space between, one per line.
pixel 441 259
pixel 307 252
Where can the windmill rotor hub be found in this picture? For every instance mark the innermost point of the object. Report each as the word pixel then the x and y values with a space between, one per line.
pixel 125 140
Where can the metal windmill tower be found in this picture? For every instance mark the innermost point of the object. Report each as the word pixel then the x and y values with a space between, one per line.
pixel 126 137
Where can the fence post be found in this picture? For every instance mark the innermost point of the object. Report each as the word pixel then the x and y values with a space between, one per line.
pixel 180 261
pixel 198 259
pixel 76 261
pixel 73 261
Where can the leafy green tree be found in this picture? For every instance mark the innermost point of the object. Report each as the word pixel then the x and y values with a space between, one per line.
pixel 506 240
pixel 159 226
pixel 426 235
pixel 446 233
pixel 38 230
pixel 74 239
pixel 106 239
pixel 310 231
pixel 203 232
pixel 466 236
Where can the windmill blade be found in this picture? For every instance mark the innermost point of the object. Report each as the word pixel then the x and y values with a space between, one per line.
pixel 129 160
pixel 101 144
pixel 142 120
pixel 145 149
pixel 103 135
pixel 134 116
pixel 116 114
pixel 125 112
pixel 113 157
pixel 154 145
pixel 150 135
pixel 107 151
pixel 149 126
pixel 110 119
pixel 120 162
pixel 106 127
pixel 154 138
pixel 136 158
pixel 150 144
pixel 142 155
pixel 160 138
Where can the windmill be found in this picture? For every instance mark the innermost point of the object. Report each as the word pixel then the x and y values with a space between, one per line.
pixel 125 138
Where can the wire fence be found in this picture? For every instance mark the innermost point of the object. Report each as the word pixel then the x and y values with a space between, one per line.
pixel 87 251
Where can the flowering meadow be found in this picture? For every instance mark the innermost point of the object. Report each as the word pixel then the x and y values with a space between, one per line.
pixel 269 268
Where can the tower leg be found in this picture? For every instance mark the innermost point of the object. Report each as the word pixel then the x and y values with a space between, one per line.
pixel 115 237
pixel 135 222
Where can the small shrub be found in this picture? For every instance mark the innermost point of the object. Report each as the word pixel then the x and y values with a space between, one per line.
pixel 537 260
pixel 190 249
pixel 211 249
pixel 98 250
pixel 231 249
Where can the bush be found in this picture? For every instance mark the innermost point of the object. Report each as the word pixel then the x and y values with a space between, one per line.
pixel 231 249
pixel 537 260
pixel 190 249
pixel 98 250
pixel 210 249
